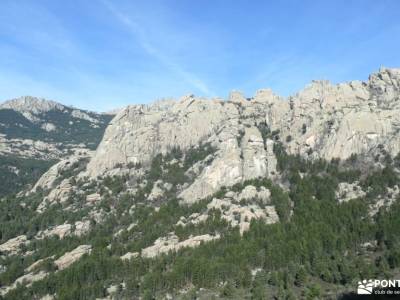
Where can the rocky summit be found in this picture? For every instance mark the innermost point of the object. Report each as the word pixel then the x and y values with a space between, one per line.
pixel 321 121
pixel 241 198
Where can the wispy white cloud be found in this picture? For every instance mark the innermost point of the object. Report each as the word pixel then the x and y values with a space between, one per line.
pixel 157 53
pixel 36 28
pixel 135 52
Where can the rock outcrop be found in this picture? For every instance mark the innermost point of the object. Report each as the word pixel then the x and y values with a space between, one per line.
pixel 13 245
pixel 321 121
pixel 78 228
pixel 238 209
pixel 348 191
pixel 335 121
pixel 385 201
pixel 49 179
pixel 129 255
pixel 70 257
pixel 26 280
pixel 138 133
pixel 172 243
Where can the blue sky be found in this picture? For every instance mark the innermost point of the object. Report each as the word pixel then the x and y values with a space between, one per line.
pixel 102 54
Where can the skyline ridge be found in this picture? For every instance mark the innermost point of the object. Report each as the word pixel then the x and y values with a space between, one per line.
pixel 223 98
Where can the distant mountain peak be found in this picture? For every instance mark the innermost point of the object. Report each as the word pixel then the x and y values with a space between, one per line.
pixel 31 104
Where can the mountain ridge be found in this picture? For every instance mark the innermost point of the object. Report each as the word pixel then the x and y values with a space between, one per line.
pixel 321 121
pixel 253 198
pixel 114 111
pixel 35 133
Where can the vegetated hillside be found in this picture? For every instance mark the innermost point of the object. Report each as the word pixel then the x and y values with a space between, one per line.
pixel 50 122
pixel 16 172
pixel 67 130
pixel 320 247
pixel 35 133
pixel 256 198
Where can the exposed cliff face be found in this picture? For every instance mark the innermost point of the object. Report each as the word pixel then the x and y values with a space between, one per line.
pixel 138 133
pixel 334 121
pixel 322 120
